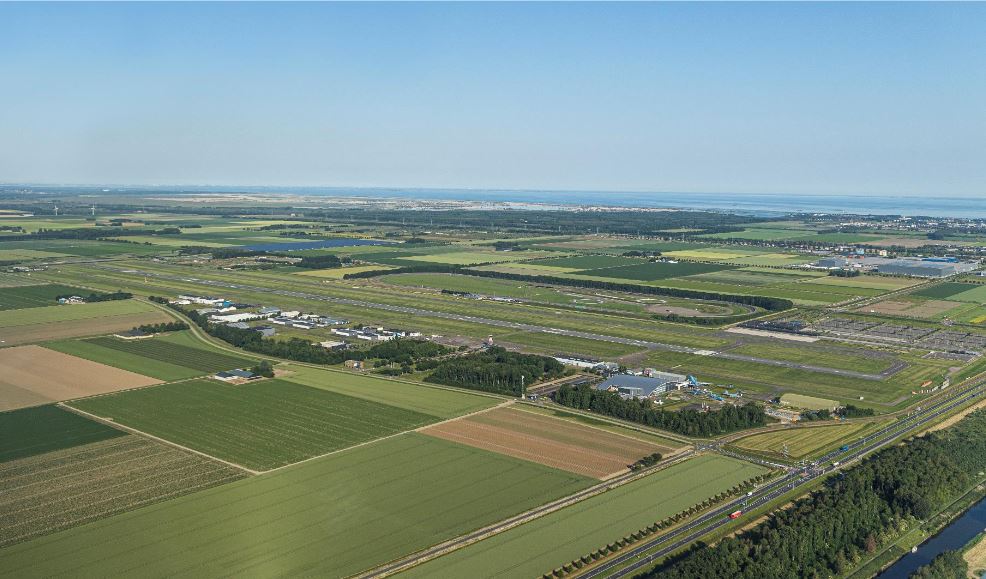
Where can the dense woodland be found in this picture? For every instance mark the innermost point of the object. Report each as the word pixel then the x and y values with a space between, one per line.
pixel 644 411
pixel 496 370
pixel 868 506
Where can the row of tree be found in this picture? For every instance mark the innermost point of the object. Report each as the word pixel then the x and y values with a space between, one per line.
pixel 869 505
pixel 162 327
pixel 100 296
pixel 496 370
pixel 643 411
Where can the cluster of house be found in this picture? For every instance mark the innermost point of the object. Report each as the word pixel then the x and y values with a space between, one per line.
pixel 374 334
pixel 223 311
pixel 71 300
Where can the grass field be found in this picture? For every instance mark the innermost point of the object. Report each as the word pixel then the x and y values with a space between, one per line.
pixel 91 350
pixel 339 272
pixel 62 313
pixel 439 402
pixel 944 290
pixel 35 296
pixel 41 429
pixel 26 254
pixel 162 355
pixel 312 520
pixel 57 490
pixel 578 262
pixel 540 546
pixel 472 257
pixel 260 425
pixel 653 271
pixel 801 442
pixel 808 402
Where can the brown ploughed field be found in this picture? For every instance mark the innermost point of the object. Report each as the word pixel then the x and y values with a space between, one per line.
pixel 557 443
pixel 31 375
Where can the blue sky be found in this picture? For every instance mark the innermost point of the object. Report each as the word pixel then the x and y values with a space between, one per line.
pixel 761 98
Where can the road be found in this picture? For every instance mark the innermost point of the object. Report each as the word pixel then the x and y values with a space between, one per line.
pixel 634 560
pixel 498 323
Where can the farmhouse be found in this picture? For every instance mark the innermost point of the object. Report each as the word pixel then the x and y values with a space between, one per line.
pixel 71 300
pixel 234 375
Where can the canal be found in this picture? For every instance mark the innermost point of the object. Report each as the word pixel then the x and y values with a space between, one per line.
pixel 954 536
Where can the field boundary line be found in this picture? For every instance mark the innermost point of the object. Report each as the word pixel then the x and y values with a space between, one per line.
pixel 157 438
pixel 375 440
pixel 414 559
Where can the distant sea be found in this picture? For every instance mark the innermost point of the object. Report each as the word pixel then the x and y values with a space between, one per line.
pixel 750 204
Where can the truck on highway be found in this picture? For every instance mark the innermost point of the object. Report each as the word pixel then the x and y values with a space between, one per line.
pixel 735 514
pixel 844 447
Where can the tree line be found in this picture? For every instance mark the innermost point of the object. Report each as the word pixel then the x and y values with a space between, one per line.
pixel 162 327
pixel 496 370
pixel 868 506
pixel 643 411
pixel 99 296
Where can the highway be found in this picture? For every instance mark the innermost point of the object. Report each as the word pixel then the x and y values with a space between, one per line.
pixel 497 323
pixel 634 559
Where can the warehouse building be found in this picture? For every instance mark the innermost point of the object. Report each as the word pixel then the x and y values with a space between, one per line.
pixel 643 386
pixel 925 267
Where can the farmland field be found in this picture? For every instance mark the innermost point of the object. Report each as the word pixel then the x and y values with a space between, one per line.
pixel 34 375
pixel 35 296
pixel 314 519
pixel 260 425
pixel 471 257
pixel 56 490
pixel 587 261
pixel 339 272
pixel 809 402
pixel 801 442
pixel 654 271
pixel 195 358
pixel 542 439
pixel 33 431
pixel 543 544
pixel 944 290
pixel 62 313
pixel 91 350
pixel 26 254
pixel 434 401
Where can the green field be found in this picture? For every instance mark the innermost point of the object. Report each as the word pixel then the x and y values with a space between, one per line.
pixel 35 296
pixel 808 402
pixel 93 350
pixel 654 271
pixel 588 261
pixel 260 425
pixel 540 546
pixel 162 356
pixel 330 517
pixel 944 290
pixel 801 442
pixel 41 429
pixel 25 254
pixel 62 313
pixel 440 402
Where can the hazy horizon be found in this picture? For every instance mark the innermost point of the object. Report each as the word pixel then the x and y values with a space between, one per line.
pixel 784 99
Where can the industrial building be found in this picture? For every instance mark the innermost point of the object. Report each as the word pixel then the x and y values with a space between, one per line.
pixel 930 267
pixel 832 262
pixel 643 386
